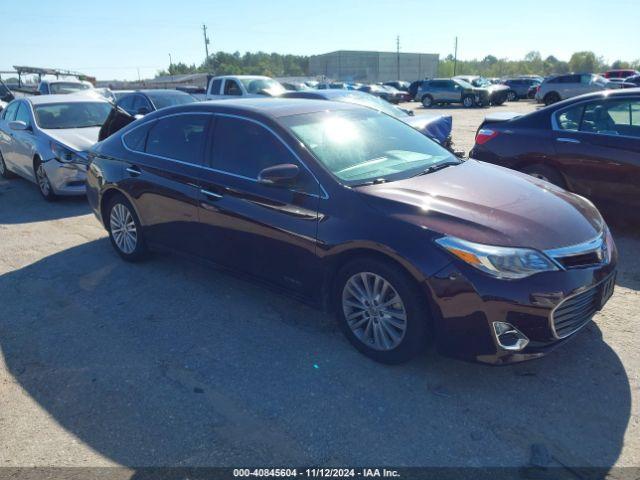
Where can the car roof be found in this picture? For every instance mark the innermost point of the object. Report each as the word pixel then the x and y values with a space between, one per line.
pixel 159 90
pixel 63 98
pixel 265 107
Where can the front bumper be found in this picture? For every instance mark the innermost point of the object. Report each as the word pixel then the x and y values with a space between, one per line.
pixel 466 304
pixel 66 178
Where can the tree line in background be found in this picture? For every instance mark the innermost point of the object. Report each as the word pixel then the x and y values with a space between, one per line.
pixel 277 65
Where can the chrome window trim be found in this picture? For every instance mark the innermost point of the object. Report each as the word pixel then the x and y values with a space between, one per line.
pixel 556 127
pixel 324 195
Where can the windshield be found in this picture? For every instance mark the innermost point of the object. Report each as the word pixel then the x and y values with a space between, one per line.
pixel 170 99
pixel 463 83
pixel 71 115
pixel 67 87
pixel 374 102
pixel 256 85
pixel 481 82
pixel 361 146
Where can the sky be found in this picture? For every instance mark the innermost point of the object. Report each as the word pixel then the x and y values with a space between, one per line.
pixel 121 39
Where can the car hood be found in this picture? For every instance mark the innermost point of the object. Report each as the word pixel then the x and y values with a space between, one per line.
pixel 496 88
pixel 488 204
pixel 78 139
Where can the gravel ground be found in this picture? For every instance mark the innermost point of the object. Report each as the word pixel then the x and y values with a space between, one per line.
pixel 169 362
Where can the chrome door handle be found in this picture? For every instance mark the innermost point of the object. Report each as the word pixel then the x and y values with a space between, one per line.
pixel 567 140
pixel 209 194
pixel 133 171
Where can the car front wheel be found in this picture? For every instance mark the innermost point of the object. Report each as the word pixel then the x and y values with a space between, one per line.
pixel 427 101
pixel 468 101
pixel 125 231
pixel 381 311
pixel 512 96
pixel 44 184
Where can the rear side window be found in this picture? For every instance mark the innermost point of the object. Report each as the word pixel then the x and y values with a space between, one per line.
pixel 136 139
pixel 215 87
pixel 126 103
pixel 570 118
pixel 179 137
pixel 231 87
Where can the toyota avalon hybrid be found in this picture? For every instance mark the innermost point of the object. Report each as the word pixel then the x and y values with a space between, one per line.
pixel 364 215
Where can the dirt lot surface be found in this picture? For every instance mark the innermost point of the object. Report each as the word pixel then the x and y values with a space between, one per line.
pixel 169 362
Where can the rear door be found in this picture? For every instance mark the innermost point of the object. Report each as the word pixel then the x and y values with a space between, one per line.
pixel 266 231
pixel 163 177
pixel 7 134
pixel 598 148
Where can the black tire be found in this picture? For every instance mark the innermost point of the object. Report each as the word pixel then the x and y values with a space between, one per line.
pixel 42 181
pixel 551 98
pixel 468 101
pixel 512 96
pixel 4 171
pixel 547 173
pixel 140 251
pixel 416 333
pixel 427 101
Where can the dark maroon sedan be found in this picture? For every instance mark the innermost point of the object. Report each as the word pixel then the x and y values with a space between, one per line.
pixel 364 215
pixel 589 145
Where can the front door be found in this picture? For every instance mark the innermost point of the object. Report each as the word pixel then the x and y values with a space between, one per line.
pixel 267 231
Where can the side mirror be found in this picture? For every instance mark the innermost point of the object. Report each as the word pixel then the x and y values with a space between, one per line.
pixel 18 125
pixel 143 111
pixel 283 175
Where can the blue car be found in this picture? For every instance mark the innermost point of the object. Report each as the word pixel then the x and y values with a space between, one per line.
pixel 436 127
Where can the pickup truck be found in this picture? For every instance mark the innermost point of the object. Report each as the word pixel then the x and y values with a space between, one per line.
pixel 230 86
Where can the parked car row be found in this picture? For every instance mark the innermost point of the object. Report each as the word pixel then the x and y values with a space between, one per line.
pixel 350 204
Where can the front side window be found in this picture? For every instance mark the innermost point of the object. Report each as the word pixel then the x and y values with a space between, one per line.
pixel 126 103
pixel 179 137
pixel 23 114
pixel 361 146
pixel 245 148
pixel 9 113
pixel 141 105
pixel 72 114
pixel 231 87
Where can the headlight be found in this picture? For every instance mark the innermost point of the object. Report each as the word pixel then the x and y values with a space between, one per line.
pixel 66 155
pixel 501 262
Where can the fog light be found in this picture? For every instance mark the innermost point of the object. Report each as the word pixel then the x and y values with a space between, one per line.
pixel 509 337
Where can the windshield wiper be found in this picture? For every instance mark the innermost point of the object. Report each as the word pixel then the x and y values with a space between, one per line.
pixel 436 167
pixel 370 182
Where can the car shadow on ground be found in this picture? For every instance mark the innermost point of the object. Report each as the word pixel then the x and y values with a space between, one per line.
pixel 170 363
pixel 628 244
pixel 34 208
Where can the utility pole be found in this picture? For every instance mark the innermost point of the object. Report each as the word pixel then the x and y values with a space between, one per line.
pixel 206 41
pixel 170 63
pixel 455 58
pixel 398 55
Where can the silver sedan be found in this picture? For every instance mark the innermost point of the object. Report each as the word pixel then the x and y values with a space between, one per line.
pixel 45 139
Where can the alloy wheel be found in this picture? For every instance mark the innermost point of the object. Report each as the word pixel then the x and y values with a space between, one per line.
pixel 512 96
pixel 467 102
pixel 374 311
pixel 43 181
pixel 123 228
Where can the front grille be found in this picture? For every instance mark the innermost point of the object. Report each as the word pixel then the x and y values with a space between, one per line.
pixel 574 312
pixel 584 260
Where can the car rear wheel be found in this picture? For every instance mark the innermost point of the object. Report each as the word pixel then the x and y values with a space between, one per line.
pixel 512 96
pixel 381 310
pixel 427 101
pixel 550 98
pixel 468 101
pixel 546 173
pixel 4 171
pixel 44 184
pixel 125 231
